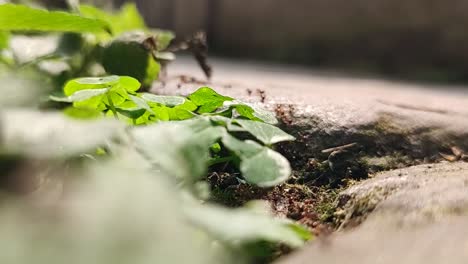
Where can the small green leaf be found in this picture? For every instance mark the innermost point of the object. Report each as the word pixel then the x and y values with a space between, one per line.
pixel 208 100
pixel 179 114
pixel 129 84
pixel 300 230
pixel 131 113
pixel 81 95
pixel 82 113
pixel 259 165
pixel 267 168
pixel 266 133
pixel 90 83
pixel 162 113
pixel 164 100
pixel 141 103
pixel 243 149
pixel 20 17
pixel 253 112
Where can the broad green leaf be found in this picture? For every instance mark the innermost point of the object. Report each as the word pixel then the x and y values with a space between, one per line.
pixel 80 95
pixel 126 56
pixel 152 71
pixel 187 105
pixel 162 113
pixel 141 103
pixel 128 18
pixel 266 133
pixel 131 113
pixel 117 98
pixel 178 148
pixel 207 99
pixel 252 112
pixel 164 100
pixel 239 226
pixel 82 113
pixel 52 135
pixel 20 17
pixel 267 168
pixel 90 83
pixel 129 84
pixel 259 165
pixel 179 114
pixel 4 40
pixel 243 149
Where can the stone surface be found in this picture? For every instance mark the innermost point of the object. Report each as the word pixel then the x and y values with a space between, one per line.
pixel 415 215
pixel 408 197
pixel 325 109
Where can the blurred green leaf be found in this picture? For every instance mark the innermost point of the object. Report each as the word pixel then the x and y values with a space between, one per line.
pixel 266 133
pixel 128 18
pixel 130 58
pixel 51 135
pixel 20 17
pixel 82 113
pixel 238 226
pixel 4 40
pixel 185 145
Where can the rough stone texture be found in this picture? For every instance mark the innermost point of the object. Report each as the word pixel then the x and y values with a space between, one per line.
pixel 446 242
pixel 325 109
pixel 415 215
pixel 407 197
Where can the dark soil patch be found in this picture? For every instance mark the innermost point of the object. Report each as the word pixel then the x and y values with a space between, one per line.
pixel 311 206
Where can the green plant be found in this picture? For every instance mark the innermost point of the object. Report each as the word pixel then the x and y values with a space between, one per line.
pixel 141 158
pixel 214 119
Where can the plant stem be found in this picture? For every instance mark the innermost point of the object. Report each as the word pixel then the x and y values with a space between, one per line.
pixel 112 107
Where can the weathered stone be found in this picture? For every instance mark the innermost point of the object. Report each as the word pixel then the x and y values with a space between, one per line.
pixel 407 197
pixel 415 215
pixel 387 119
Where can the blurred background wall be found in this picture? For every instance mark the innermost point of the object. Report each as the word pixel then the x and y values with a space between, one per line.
pixel 425 39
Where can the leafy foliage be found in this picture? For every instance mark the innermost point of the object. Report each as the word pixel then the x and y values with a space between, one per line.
pixel 18 17
pixel 141 158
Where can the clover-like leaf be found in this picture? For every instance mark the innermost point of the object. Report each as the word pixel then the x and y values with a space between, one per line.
pixel 252 112
pixel 266 133
pixel 141 103
pixel 80 95
pixel 267 168
pixel 164 100
pixel 21 17
pixel 259 165
pixel 178 148
pixel 127 83
pixel 207 99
